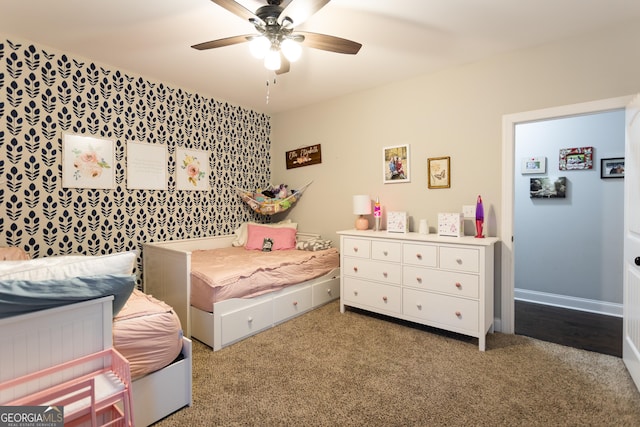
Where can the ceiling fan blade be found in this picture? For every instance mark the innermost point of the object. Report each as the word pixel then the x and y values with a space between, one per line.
pixel 300 10
pixel 223 42
pixel 285 65
pixel 329 43
pixel 237 9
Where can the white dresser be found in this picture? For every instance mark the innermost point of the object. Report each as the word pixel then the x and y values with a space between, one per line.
pixel 444 282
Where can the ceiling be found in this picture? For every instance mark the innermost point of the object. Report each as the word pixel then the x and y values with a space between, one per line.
pixel 400 38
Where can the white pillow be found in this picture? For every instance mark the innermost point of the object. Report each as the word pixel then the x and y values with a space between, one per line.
pixel 242 234
pixel 68 266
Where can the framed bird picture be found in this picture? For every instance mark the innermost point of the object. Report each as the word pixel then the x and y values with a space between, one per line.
pixel 439 172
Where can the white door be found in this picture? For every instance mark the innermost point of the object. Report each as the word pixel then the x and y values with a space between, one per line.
pixel 631 331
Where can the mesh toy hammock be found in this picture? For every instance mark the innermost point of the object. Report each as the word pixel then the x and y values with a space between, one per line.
pixel 268 206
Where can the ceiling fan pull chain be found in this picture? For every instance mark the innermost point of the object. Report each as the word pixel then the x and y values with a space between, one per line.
pixel 267 91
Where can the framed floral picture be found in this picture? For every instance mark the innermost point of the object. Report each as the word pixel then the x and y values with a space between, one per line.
pixel 395 164
pixel 192 169
pixel 87 162
pixel 439 172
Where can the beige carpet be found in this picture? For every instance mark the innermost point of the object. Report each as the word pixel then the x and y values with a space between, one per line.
pixel 330 369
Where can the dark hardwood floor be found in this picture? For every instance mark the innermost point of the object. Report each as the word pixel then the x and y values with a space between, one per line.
pixel 573 328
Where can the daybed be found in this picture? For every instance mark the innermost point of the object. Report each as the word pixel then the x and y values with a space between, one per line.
pixel 145 330
pixel 168 275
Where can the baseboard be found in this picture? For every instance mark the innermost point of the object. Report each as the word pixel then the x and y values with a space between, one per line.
pixel 574 303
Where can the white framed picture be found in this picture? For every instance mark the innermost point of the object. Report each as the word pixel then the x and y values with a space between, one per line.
pixel 146 166
pixel 192 169
pixel 87 162
pixel 395 164
pixel 534 165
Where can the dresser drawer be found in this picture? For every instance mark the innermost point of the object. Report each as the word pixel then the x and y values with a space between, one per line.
pixel 373 270
pixel 356 247
pixel 457 314
pixel 423 255
pixel 460 259
pixel 291 303
pixel 375 295
pixel 386 251
pixel 456 284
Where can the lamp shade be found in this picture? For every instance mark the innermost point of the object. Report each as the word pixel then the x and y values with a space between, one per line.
pixel 361 205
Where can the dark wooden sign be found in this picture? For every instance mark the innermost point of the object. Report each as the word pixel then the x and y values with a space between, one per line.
pixel 306 156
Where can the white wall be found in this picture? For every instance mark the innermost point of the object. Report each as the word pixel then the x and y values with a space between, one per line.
pixel 573 246
pixel 456 112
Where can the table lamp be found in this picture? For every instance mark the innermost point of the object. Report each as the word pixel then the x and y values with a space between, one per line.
pixel 362 207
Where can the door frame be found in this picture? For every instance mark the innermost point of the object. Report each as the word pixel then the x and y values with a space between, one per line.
pixel 507 270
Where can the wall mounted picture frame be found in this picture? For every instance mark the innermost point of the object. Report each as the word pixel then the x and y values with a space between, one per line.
pixel 534 165
pixel 545 187
pixel 87 162
pixel 395 164
pixel 146 166
pixel 192 169
pixel 580 158
pixel 612 167
pixel 439 172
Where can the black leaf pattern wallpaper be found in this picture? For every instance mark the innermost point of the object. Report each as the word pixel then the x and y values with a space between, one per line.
pixel 43 95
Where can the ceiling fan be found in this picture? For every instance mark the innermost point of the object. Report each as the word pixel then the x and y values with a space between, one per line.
pixel 277 41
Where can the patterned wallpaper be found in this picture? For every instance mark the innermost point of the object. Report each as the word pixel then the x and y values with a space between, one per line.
pixel 44 94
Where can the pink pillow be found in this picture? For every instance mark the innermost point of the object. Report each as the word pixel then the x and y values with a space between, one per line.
pixel 281 238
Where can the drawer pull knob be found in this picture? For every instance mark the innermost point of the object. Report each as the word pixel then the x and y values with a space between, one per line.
pixel 355 269
pixel 458 314
pixel 419 256
pixel 419 279
pixel 385 253
pixel 458 285
pixel 419 306
pixel 295 303
pixel 384 299
pixel 250 319
pixel 355 249
pixel 459 260
pixel 355 293
pixel 385 274
pixel 329 291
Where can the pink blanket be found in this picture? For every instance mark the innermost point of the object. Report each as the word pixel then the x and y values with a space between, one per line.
pixel 235 272
pixel 147 332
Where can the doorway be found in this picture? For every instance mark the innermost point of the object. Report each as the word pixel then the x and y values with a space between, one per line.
pixel 510 165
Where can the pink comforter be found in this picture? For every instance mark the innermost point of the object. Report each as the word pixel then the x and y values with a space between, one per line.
pixel 235 272
pixel 147 332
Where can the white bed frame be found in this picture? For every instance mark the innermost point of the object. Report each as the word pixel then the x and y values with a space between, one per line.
pixel 167 276
pixel 41 339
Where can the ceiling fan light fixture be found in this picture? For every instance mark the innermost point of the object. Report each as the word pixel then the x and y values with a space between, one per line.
pixel 291 50
pixel 259 46
pixel 272 60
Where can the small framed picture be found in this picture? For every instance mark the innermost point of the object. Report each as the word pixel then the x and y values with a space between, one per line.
pixel 534 165
pixel 87 162
pixel 546 187
pixel 395 164
pixel 579 158
pixel 612 167
pixel 439 172
pixel 192 172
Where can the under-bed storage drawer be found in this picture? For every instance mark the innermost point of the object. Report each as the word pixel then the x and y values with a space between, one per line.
pixel 325 291
pixel 240 323
pixel 288 304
